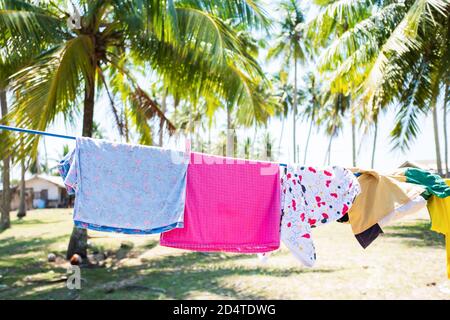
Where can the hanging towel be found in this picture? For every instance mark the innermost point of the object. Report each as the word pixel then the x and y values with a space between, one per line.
pixel 433 183
pixel 231 205
pixel 380 196
pixel 439 209
pixel 313 197
pixel 125 188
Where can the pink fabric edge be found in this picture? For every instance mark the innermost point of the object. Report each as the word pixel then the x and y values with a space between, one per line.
pixel 237 248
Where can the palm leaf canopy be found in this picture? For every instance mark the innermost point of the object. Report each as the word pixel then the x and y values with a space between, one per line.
pixel 190 46
pixel 387 53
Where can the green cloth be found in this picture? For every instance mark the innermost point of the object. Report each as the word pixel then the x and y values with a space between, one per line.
pixel 433 183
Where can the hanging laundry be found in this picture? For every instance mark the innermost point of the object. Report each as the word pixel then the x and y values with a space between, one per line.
pixel 433 183
pixel 439 209
pixel 412 207
pixel 312 197
pixel 125 188
pixel 231 205
pixel 64 168
pixel 380 200
pixel 366 237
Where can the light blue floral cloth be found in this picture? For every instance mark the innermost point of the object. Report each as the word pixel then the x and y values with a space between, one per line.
pixel 125 188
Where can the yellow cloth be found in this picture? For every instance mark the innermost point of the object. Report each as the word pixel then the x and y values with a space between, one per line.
pixel 440 220
pixel 380 195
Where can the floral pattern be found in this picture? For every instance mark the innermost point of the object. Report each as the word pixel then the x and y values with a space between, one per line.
pixel 311 197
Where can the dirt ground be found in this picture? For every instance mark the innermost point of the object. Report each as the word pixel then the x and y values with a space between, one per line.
pixel 407 262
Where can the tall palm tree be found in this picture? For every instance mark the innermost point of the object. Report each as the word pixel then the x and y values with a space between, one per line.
pixel 336 18
pixel 290 46
pixel 186 42
pixel 11 61
pixel 414 61
pixel 334 106
pixel 312 109
pixel 5 205
pixel 247 115
pixel 393 53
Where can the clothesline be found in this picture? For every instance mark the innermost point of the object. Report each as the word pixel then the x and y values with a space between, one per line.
pixel 306 189
pixel 43 133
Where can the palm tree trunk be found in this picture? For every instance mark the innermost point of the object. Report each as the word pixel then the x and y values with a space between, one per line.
pixel 78 239
pixel 307 140
pixel 436 133
pixel 294 113
pixel 230 133
pixel 253 150
pixel 22 212
pixel 209 137
pixel 353 131
pixel 161 122
pixel 283 120
pixel 5 206
pixel 375 134
pixel 353 144
pixel 327 155
pixel 446 94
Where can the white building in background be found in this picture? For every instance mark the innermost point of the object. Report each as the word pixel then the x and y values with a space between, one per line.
pixel 42 191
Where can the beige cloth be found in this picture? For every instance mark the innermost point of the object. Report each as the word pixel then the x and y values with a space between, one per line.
pixel 380 195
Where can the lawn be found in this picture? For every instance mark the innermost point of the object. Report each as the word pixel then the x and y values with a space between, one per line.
pixel 407 262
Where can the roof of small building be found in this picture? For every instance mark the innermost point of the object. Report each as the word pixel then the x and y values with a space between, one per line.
pixel 56 180
pixel 52 179
pixel 421 164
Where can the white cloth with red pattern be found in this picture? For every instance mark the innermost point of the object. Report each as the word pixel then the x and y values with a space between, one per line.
pixel 311 197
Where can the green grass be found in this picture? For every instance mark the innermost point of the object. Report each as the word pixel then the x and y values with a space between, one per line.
pixel 407 262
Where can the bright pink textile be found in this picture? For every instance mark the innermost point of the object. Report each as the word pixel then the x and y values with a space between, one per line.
pixel 233 207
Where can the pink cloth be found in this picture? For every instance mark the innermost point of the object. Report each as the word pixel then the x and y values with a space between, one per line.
pixel 232 207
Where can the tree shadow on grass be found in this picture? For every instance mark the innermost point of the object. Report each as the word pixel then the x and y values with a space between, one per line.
pixel 417 234
pixel 12 245
pixel 25 221
pixel 169 277
pixel 24 257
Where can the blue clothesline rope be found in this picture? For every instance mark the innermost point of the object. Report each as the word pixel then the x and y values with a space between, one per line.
pixel 2 127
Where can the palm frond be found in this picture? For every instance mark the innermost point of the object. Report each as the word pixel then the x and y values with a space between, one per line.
pixel 50 87
pixel 247 12
pixel 23 23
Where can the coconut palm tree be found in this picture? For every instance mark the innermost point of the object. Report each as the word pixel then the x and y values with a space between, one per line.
pixel 334 106
pixel 247 115
pixel 186 43
pixel 5 205
pixel 412 67
pixel 392 53
pixel 291 46
pixel 11 61
pixel 334 21
pixel 312 109
pixel 283 92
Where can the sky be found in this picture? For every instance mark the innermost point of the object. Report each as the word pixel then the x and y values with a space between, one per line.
pixel 385 160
